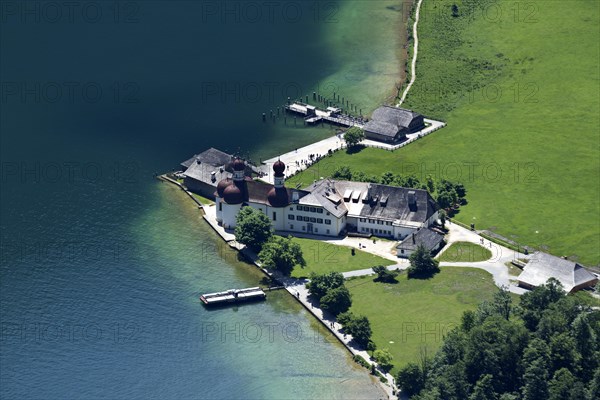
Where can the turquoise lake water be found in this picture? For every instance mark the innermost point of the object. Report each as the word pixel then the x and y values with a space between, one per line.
pixel 101 264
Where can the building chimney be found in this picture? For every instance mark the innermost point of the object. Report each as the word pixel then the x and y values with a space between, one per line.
pixel 412 200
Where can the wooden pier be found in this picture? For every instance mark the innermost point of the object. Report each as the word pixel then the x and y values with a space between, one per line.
pixel 233 296
pixel 313 115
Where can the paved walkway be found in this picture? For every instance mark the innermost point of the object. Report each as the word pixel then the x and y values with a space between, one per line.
pixel 297 288
pixel 299 159
pixel 495 265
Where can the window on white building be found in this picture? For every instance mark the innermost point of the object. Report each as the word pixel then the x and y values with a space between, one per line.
pixel 319 220
pixel 320 210
pixel 327 230
pixel 312 209
pixel 303 228
pixel 327 222
pixel 274 216
pixel 313 219
pixel 291 226
pixel 291 216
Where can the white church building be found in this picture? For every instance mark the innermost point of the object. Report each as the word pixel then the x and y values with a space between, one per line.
pixel 327 207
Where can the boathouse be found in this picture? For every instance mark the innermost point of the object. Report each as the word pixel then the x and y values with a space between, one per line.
pixel 392 124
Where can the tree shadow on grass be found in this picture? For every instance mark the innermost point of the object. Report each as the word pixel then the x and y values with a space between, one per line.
pixel 355 149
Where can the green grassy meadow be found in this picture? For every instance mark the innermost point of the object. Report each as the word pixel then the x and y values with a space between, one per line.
pixel 414 313
pixel 322 257
pixel 517 84
pixel 465 252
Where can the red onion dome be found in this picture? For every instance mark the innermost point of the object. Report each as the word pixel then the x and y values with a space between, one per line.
pixel 233 195
pixel 222 185
pixel 238 164
pixel 278 197
pixel 279 167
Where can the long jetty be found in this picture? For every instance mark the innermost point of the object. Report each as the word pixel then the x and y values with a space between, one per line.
pixel 313 115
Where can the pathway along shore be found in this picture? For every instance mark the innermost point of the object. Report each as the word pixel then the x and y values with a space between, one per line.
pixel 413 68
pixel 296 287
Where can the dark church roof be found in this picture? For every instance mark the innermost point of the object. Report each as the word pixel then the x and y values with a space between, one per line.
pixel 424 236
pixel 388 121
pixel 257 192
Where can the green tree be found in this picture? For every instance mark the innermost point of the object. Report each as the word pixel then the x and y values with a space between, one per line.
pixel 282 254
pixel 320 284
pixel 563 352
pixel 484 389
pixel 443 216
pixel 534 302
pixel 337 300
pixel 502 303
pixel 422 265
pixel 429 184
pixel 411 181
pixel 387 178
pixel 446 198
pixel 587 345
pixel 360 329
pixel 384 359
pixel 342 172
pixel 253 228
pixel 561 385
pixel 354 136
pixel 385 275
pixel 595 385
pixel 345 318
pixel 410 379
pixel 535 379
pixel 371 346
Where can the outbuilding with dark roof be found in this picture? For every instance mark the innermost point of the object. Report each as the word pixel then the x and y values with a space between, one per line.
pixel 391 124
pixel 432 241
pixel 543 266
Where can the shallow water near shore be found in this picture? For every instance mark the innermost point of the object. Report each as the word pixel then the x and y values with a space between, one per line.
pixel 101 264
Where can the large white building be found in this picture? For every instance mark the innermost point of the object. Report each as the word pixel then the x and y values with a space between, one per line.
pixel 326 207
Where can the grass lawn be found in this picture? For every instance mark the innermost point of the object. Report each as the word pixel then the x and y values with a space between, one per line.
pixel 465 252
pixel 324 257
pixel 513 270
pixel 517 84
pixel 203 200
pixel 414 313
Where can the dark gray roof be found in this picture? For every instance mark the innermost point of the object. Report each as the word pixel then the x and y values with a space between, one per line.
pixel 211 156
pixel 325 193
pixel 397 206
pixel 203 172
pixel 394 115
pixel 424 236
pixel 382 128
pixel 542 266
pixel 389 121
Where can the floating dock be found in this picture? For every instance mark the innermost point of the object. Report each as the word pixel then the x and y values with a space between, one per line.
pixel 233 296
pixel 334 115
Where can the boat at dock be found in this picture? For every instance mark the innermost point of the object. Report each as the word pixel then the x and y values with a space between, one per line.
pixel 233 296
